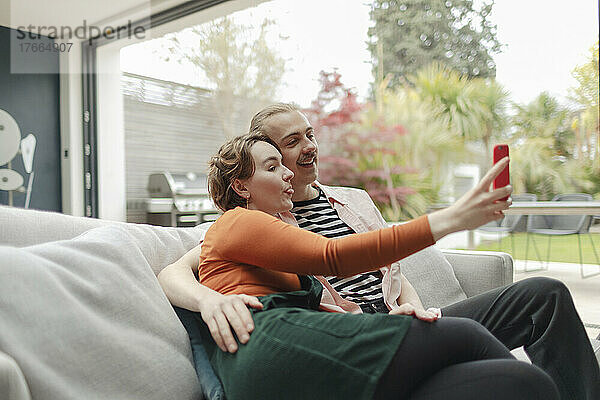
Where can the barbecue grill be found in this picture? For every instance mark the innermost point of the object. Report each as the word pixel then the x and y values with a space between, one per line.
pixel 179 200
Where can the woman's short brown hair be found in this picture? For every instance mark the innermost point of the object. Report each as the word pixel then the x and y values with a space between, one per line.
pixel 233 161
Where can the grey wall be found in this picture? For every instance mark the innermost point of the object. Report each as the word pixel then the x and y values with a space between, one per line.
pixel 170 127
pixel 33 101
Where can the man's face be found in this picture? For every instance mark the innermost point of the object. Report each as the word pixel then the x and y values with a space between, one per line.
pixel 295 136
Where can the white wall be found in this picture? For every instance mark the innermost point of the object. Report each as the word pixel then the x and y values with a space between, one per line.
pixel 111 135
pixel 71 132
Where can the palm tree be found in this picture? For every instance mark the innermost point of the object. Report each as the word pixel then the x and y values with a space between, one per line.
pixel 447 90
pixel 545 117
pixel 473 108
pixel 542 144
pixel 491 106
pixel 417 142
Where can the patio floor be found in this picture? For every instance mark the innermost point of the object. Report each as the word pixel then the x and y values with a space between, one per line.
pixel 585 292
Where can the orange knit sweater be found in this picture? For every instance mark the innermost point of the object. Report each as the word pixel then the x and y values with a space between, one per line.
pixel 251 252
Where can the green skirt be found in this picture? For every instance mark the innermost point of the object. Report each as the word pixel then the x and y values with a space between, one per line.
pixel 298 352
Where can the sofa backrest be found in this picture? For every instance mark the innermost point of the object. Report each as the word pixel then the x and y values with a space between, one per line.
pixel 21 227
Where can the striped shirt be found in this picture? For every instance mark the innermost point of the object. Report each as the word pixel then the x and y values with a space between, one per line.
pixel 318 216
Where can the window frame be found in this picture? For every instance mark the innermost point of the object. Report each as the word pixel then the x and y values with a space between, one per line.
pixel 90 93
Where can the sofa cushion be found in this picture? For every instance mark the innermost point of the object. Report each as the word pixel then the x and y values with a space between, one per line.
pixel 432 277
pixel 210 383
pixel 25 227
pixel 162 245
pixel 12 382
pixel 86 318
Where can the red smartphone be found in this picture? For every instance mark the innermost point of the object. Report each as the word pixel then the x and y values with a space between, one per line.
pixel 501 151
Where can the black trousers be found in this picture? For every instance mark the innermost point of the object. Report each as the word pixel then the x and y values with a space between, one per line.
pixel 539 314
pixel 458 359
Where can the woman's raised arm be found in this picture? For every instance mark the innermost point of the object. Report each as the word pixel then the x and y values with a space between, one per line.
pixel 256 238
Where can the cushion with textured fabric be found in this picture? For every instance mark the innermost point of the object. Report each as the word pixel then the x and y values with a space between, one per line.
pixel 12 382
pixel 211 385
pixel 432 277
pixel 86 318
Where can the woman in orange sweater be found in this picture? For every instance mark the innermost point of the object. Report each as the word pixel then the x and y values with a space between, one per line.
pixel 298 351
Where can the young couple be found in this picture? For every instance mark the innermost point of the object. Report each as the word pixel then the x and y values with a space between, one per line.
pixel 256 278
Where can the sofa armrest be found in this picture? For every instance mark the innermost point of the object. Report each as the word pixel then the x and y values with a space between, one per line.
pixel 480 271
pixel 12 381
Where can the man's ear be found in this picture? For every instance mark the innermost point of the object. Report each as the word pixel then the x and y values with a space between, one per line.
pixel 240 188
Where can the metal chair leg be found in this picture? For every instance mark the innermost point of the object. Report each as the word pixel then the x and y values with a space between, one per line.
pixel 538 256
pixel 548 251
pixel 594 248
pixel 526 250
pixel 537 253
pixel 583 276
pixel 580 255
pixel 512 245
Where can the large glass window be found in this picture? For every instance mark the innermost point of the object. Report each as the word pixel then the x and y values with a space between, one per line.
pixel 424 89
pixel 408 99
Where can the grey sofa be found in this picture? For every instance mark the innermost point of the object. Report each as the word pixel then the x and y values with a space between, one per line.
pixel 82 315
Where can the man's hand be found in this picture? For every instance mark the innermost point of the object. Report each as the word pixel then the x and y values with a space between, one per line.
pixel 418 312
pixel 223 312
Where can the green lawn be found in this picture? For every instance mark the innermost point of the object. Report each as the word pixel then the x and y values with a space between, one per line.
pixel 563 248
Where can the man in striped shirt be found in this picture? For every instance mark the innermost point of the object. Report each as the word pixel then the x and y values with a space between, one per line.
pixel 537 313
pixel 318 216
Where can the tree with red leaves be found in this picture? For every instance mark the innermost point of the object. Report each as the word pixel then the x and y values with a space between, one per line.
pixel 357 154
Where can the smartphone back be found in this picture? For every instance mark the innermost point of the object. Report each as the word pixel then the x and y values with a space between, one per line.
pixel 501 151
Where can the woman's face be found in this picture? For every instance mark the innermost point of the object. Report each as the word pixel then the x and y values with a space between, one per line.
pixel 269 188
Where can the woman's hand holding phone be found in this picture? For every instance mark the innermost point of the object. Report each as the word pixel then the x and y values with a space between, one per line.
pixel 475 208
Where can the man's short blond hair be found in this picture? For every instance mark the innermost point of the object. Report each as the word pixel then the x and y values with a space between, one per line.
pixel 259 121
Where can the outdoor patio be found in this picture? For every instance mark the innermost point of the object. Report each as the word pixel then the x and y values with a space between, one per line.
pixel 585 292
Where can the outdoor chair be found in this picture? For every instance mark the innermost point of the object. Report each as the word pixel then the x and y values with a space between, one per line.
pixel 561 225
pixel 510 223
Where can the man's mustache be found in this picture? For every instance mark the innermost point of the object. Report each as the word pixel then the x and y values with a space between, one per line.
pixel 308 157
